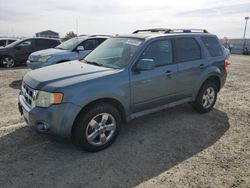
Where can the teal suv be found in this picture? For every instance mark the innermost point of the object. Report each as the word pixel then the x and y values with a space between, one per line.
pixel 125 77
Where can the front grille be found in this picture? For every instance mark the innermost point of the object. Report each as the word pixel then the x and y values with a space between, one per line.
pixel 28 94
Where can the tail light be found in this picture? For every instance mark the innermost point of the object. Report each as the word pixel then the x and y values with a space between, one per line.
pixel 226 63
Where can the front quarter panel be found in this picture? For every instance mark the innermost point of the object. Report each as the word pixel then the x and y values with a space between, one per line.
pixel 115 86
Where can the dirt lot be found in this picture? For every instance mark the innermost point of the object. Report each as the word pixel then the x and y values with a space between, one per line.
pixel 172 148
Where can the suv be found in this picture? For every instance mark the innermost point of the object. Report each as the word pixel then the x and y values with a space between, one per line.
pixel 124 78
pixel 73 49
pixel 19 51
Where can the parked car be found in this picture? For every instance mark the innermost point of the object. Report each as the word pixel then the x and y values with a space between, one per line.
pixel 246 51
pixel 226 51
pixel 73 49
pixel 6 41
pixel 19 51
pixel 124 78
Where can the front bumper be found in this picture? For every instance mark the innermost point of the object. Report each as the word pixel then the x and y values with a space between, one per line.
pixel 56 119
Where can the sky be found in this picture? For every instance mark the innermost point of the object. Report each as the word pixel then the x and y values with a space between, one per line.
pixel 23 18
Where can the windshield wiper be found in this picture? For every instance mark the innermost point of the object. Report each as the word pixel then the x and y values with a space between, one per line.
pixel 93 63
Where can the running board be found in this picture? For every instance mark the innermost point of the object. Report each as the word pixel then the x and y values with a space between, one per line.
pixel 165 106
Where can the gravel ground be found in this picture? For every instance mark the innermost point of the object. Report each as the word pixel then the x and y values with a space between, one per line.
pixel 171 148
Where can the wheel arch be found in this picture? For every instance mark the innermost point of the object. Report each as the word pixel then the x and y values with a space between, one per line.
pixel 115 103
pixel 215 79
pixel 212 78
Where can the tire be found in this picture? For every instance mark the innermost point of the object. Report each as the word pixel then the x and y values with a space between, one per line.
pixel 7 62
pixel 92 130
pixel 206 98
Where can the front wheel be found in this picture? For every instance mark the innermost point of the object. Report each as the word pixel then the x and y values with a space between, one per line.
pixel 8 62
pixel 206 98
pixel 97 128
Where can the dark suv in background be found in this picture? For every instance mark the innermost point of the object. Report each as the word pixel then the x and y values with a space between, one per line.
pixel 19 51
pixel 125 77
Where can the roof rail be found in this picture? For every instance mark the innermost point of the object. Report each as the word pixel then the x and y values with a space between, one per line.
pixel 187 31
pixel 164 30
pixel 155 30
pixel 95 35
pixel 100 35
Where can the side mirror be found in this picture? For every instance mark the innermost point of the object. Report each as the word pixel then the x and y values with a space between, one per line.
pixel 80 48
pixel 145 64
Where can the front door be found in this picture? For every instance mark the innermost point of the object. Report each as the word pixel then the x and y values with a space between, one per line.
pixel 24 49
pixel 152 88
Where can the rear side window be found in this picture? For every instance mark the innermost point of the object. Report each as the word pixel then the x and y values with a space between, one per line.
pixel 90 44
pixel 101 40
pixel 213 46
pixel 2 42
pixel 160 52
pixel 10 41
pixel 187 49
pixel 41 42
pixel 54 43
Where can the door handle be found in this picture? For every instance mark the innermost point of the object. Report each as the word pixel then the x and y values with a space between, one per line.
pixel 168 73
pixel 202 66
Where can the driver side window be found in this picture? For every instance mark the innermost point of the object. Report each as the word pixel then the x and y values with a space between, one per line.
pixel 26 43
pixel 90 44
pixel 160 52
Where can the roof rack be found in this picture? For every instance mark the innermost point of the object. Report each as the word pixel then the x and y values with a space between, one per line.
pixel 95 35
pixel 155 30
pixel 164 30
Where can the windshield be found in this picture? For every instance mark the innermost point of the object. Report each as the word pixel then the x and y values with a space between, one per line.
pixel 69 44
pixel 14 43
pixel 114 52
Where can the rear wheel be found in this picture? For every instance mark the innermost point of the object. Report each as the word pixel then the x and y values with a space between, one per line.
pixel 8 62
pixel 206 98
pixel 97 128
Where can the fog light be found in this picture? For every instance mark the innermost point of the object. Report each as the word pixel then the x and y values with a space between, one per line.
pixel 42 127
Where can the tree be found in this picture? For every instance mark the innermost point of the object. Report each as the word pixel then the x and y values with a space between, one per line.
pixel 69 35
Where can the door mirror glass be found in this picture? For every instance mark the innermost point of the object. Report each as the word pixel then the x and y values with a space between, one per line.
pixel 145 64
pixel 80 48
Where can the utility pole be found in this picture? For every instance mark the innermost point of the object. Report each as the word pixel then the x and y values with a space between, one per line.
pixel 77 26
pixel 244 36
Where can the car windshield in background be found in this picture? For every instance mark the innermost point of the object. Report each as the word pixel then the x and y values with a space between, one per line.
pixel 114 52
pixel 69 44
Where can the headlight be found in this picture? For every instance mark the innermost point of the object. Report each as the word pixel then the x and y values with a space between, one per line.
pixel 43 59
pixel 45 99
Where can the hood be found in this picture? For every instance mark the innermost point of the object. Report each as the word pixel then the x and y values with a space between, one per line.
pixel 64 74
pixel 48 52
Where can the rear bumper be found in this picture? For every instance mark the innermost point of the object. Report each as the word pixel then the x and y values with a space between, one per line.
pixel 223 79
pixel 56 119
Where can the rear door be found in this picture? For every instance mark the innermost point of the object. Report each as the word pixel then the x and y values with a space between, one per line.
pixel 155 87
pixel 42 44
pixel 190 62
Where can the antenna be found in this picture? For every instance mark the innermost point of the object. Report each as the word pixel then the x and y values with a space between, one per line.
pixel 76 26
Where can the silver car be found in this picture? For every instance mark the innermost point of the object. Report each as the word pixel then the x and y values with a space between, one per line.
pixel 73 49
